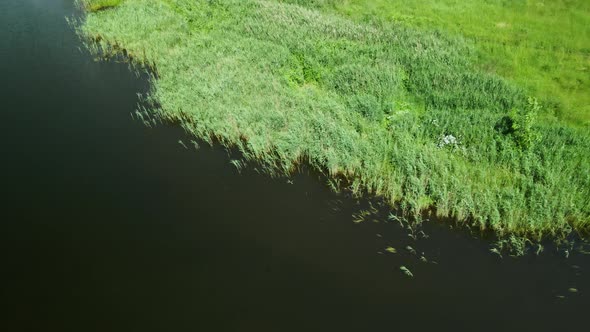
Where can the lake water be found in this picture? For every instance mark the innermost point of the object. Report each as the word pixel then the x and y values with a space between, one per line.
pixel 108 225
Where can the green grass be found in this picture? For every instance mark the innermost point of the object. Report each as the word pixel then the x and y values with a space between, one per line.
pixel 399 112
pixel 543 46
pixel 96 5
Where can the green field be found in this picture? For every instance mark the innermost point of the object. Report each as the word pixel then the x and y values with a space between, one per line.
pixel 420 116
pixel 544 46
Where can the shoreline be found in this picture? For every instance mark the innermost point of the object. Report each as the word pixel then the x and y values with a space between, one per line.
pixel 239 134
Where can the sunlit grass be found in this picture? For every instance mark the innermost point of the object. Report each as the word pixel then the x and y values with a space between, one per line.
pixel 374 103
pixel 542 45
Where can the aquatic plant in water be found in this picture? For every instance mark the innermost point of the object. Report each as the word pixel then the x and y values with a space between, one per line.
pixel 406 271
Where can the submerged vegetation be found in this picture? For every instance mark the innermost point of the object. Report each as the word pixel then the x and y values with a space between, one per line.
pixel 381 107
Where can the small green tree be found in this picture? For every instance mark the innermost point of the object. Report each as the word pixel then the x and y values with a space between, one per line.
pixel 523 121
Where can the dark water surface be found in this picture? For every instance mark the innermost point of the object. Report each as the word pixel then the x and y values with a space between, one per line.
pixel 108 225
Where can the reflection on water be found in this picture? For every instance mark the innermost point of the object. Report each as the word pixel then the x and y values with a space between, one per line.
pixel 108 225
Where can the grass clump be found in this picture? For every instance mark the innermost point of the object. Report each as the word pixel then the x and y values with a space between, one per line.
pixel 373 102
pixel 97 5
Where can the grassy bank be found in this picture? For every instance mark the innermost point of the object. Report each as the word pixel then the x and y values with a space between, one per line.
pixel 401 112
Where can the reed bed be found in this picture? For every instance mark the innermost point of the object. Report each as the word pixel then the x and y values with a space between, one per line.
pixel 395 111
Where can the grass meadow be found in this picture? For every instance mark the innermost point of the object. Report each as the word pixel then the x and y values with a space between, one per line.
pixel 544 46
pixel 403 101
